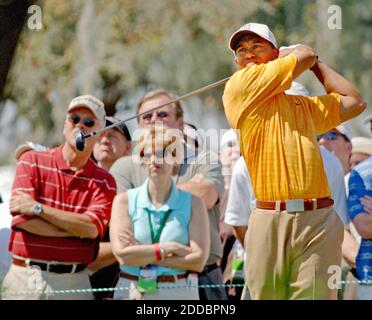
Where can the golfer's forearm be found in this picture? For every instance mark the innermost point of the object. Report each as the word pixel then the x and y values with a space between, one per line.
pixel 42 228
pixel 334 82
pixel 78 225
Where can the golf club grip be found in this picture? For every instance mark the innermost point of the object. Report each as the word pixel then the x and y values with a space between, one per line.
pixel 185 96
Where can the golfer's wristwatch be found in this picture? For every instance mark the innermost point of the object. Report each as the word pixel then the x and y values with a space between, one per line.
pixel 38 209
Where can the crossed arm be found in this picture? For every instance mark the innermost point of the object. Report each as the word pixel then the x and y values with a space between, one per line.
pixel 130 252
pixel 202 188
pixel 207 181
pixel 363 222
pixel 359 203
pixel 52 222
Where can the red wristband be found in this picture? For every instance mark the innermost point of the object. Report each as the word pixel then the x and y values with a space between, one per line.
pixel 157 251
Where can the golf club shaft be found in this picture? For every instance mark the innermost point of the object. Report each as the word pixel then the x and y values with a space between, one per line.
pixel 185 96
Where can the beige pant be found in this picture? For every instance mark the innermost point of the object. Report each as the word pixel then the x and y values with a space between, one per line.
pixel 181 293
pixel 289 254
pixel 351 289
pixel 27 280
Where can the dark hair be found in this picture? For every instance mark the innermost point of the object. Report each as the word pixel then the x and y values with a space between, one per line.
pixel 346 138
pixel 122 128
pixel 196 142
pixel 238 39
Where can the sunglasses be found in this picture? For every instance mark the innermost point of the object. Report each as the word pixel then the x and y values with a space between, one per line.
pixel 328 136
pixel 159 114
pixel 87 121
pixel 160 154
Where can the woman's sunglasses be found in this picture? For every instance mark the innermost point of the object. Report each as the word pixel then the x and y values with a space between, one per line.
pixel 87 121
pixel 159 154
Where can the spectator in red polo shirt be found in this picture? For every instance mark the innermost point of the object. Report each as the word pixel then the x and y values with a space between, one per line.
pixel 61 204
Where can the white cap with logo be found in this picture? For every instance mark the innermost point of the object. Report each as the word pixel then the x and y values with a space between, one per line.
pixel 259 29
pixel 92 103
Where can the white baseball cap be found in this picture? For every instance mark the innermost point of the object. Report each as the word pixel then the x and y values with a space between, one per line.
pixel 259 29
pixel 343 129
pixel 367 120
pixel 229 136
pixel 362 145
pixel 92 103
pixel 27 146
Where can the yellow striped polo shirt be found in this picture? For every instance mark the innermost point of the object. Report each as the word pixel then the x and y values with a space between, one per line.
pixel 278 131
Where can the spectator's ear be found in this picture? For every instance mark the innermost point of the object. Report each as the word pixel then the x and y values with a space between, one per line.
pixel 349 147
pixel 181 123
pixel 128 147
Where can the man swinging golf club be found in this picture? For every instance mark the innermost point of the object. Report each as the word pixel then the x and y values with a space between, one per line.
pixel 294 234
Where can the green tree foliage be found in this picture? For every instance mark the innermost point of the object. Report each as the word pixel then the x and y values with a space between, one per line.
pixel 118 49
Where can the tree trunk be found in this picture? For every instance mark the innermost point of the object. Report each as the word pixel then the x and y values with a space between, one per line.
pixel 12 18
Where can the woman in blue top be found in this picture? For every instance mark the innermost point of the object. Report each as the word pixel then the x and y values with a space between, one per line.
pixel 159 233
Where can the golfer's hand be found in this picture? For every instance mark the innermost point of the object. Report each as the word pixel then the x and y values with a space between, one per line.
pixel 367 203
pixel 22 203
pixel 285 51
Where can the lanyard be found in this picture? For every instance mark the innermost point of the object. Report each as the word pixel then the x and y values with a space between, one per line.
pixel 156 238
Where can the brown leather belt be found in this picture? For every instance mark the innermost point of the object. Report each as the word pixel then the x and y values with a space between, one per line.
pixel 51 267
pixel 295 205
pixel 159 278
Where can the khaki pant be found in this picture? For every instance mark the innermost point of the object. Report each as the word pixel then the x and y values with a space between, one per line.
pixel 181 293
pixel 289 254
pixel 350 289
pixel 26 280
